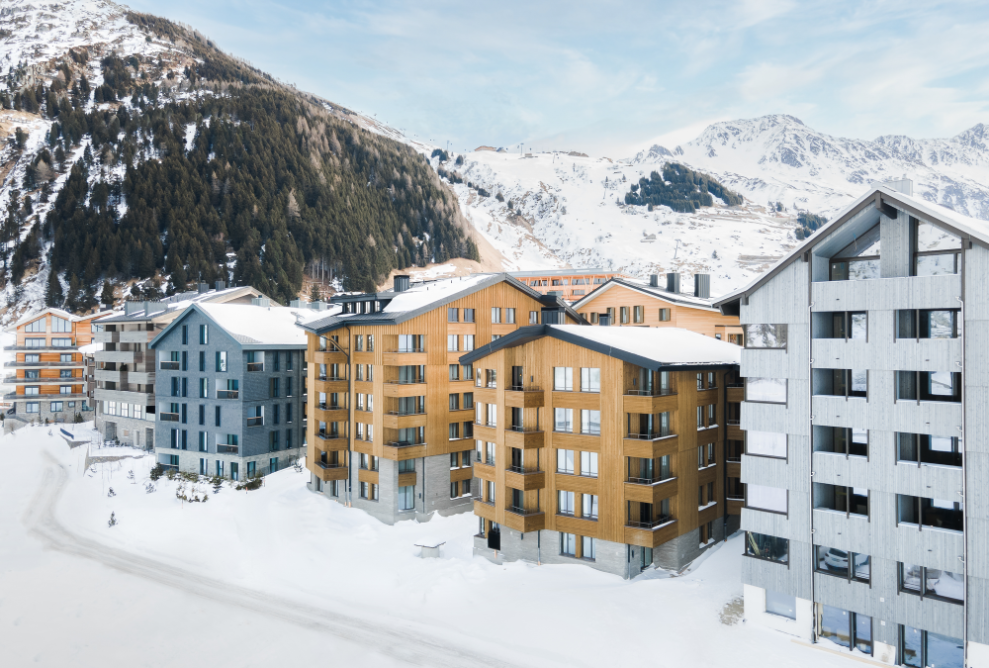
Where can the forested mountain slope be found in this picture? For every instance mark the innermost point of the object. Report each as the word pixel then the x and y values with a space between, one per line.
pixel 139 151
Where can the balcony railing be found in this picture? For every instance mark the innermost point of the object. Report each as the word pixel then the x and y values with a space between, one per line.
pixel 647 524
pixel 524 388
pixel 408 349
pixel 329 378
pixel 168 366
pixel 656 392
pixel 736 384
pixel 227 394
pixel 733 422
pixel 663 433
pixel 523 470
pixel 169 417
pixel 255 366
pixel 404 413
pixel 516 510
pixel 647 481
pixel 414 381
pixel 227 449
pixel 331 407
pixel 328 465
pixel 402 444
pixel 524 429
pixel 255 421
pixel 326 436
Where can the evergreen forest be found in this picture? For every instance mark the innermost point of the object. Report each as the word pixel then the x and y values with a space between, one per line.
pixel 680 188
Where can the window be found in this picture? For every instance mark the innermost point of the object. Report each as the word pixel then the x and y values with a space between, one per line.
pixel 568 544
pixel 563 419
pixel 588 548
pixel 623 310
pixel 61 343
pixel 454 372
pixel 590 380
pixel 202 414
pixel 926 449
pixel 948 515
pixel 56 407
pixel 773 499
pixel 359 342
pixel 770 548
pixel 859 260
pixel 289 356
pixel 921 324
pixel 185 335
pixel 468 342
pixel 490 489
pixel 920 649
pixel 67 389
pixel 565 503
pixel 938 251
pixel 454 433
pixel 564 461
pixel 589 464
pixel 453 315
pixel 38 326
pixel 765 336
pixel 931 583
pixel 781 604
pixel 842 441
pixel 32 407
pixel 842 563
pixel 841 382
pixel 407 466
pixel 664 315
pixel 928 386
pixel 590 422
pixel 638 314
pixel 848 500
pixel 848 629
pixel 589 506
pixel 370 349
pixel 204 334
pixel 217 416
pixel 468 400
pixel 273 388
pixel 454 402
pixel 765 444
pixel 533 317
pixel 510 316
pixel 492 415
pixel 495 315
pixel 221 360
pixel 563 379
pixel 468 371
pixel 491 378
pixel 468 315
pixel 202 442
pixel 406 497
pixel 766 390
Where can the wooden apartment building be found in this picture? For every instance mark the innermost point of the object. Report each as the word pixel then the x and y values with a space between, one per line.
pixel 570 284
pixel 600 445
pixel 390 405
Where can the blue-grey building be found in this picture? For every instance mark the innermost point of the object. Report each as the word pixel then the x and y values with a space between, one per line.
pixel 230 389
pixel 866 458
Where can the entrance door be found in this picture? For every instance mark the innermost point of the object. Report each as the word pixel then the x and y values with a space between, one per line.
pixel 111 431
pixel 149 438
pixel 494 537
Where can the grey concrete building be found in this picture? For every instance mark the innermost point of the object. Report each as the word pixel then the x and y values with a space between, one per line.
pixel 230 387
pixel 125 365
pixel 866 454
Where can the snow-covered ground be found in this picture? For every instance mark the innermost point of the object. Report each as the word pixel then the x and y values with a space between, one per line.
pixel 280 576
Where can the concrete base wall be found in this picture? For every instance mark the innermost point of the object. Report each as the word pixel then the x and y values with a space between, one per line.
pixel 755 613
pixel 127 431
pixel 543 547
pixel 679 552
pixel 189 460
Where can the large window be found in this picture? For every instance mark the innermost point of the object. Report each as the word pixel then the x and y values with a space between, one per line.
pixel 927 324
pixel 760 497
pixel 938 251
pixel 590 422
pixel 563 419
pixel 929 386
pixel 766 547
pixel 765 444
pixel 841 325
pixel 841 382
pixel 848 629
pixel 926 449
pixel 36 327
pixel 568 544
pixel 406 497
pixel 858 260
pixel 923 649
pixel 589 464
pixel 565 461
pixel 937 513
pixel 765 336
pixel 843 563
pixel 848 500
pixel 563 379
pixel 565 503
pixel 931 583
pixel 590 380
pixel 766 390
pixel 781 604
pixel 61 325
pixel 841 440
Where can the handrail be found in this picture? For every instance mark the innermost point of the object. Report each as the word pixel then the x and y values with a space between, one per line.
pixel 523 429
pixel 169 417
pixel 405 382
pixel 255 421
pixel 515 510
pixel 402 444
pixel 668 392
pixel 650 524
pixel 647 481
pixel 405 413
pixel 255 366
pixel 649 437
pixel 524 388
pixel 329 378
pixel 407 350
pixel 227 394
pixel 521 470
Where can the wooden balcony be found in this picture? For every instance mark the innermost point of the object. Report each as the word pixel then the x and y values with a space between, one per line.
pixel 735 433
pixel 651 492
pixel 485 510
pixel 404 420
pixel 484 471
pixel 524 438
pixel 330 442
pixel 734 469
pixel 644 536
pixel 327 472
pixel 407 479
pixel 397 389
pixel 395 358
pixel 650 448
pixel 330 386
pixel 400 451
pixel 735 506
pixel 523 396
pixel 649 404
pixel 326 413
pixel 525 481
pixel 483 432
pixel 736 395
pixel 525 520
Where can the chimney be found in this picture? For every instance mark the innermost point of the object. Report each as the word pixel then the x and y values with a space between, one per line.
pixel 673 282
pixel 552 316
pixel 702 286
pixel 221 285
pixel 604 319
pixel 203 288
pixel 654 281
pixel 261 301
pixel 401 283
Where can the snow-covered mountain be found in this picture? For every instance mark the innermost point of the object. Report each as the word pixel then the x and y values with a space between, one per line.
pixel 566 208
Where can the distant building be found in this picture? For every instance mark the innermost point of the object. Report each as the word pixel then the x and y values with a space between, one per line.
pixel 230 388
pixel 568 284
pixel 49 372
pixel 125 365
pixel 601 446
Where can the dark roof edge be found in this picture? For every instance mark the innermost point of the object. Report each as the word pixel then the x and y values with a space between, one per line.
pixel 656 293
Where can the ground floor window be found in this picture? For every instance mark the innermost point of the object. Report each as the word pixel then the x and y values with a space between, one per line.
pixel 454 489
pixel 922 648
pixel 406 497
pixel 588 548
pixel 781 604
pixel 848 629
pixel 334 489
pixel 173 460
pixel 219 468
pixel 645 557
pixel 203 467
pixel 568 544
pixel 252 469
pixel 56 407
pixel 32 407
pixel 465 487
pixel 273 464
pixel 234 471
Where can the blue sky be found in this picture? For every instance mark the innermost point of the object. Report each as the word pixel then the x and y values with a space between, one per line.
pixel 610 77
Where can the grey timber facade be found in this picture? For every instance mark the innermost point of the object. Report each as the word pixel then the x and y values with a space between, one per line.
pixel 867 435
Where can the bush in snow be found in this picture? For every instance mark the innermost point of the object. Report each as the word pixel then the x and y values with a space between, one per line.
pixel 157 471
pixel 111 492
pixel 113 520
pixel 150 487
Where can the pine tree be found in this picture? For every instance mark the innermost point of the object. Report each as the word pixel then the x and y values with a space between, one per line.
pixel 53 295
pixel 314 295
pixel 107 296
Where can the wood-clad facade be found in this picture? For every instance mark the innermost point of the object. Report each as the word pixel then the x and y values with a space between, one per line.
pixel 391 408
pixel 570 284
pixel 618 471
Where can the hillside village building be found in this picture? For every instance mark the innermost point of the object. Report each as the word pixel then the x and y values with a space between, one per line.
pixel 49 372
pixel 230 388
pixel 125 364
pixel 391 406
pixel 600 445
pixel 866 458
pixel 569 284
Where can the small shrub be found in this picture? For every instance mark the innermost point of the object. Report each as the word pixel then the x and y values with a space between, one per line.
pixel 113 520
pixel 111 492
pixel 149 488
pixel 157 471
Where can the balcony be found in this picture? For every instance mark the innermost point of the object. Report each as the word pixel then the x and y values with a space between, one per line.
pixel 227 394
pixel 648 403
pixel 227 449
pixel 518 477
pixel 650 534
pixel 649 446
pixel 332 441
pixel 14 364
pixel 524 438
pixel 168 366
pixel 653 492
pixel 523 520
pixel 406 450
pixel 327 472
pixel 255 366
pixel 255 421
pixel 404 420
pixel 168 417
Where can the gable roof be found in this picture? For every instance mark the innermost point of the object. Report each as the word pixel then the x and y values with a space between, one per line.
pixel 65 315
pixel 183 300
pixel 675 298
pixel 667 348
pixel 969 229
pixel 424 297
pixel 253 327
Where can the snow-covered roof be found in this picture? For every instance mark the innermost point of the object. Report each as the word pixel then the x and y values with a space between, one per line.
pixel 53 311
pixel 650 347
pixel 252 326
pixel 643 287
pixel 182 301
pixel 964 226
pixel 422 297
pixel 562 272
